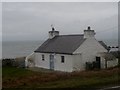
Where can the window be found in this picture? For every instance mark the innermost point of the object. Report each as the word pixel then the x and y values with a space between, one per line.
pixel 62 59
pixel 43 57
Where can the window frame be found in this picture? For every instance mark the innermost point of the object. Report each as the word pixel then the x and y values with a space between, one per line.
pixel 62 59
pixel 43 57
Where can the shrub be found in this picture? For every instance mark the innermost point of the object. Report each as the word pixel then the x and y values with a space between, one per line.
pixel 8 62
pixel 89 66
pixel 17 62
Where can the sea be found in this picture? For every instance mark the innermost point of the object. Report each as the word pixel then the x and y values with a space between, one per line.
pixel 13 49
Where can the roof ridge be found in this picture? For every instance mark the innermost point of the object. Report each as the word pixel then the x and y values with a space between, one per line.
pixel 72 35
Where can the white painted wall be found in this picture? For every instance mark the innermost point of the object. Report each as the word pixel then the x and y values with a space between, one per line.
pixel 102 63
pixel 67 66
pixel 77 62
pixel 112 63
pixel 40 63
pixel 89 50
pixel 29 60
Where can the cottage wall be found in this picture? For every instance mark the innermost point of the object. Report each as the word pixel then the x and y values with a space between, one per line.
pixel 103 63
pixel 40 63
pixel 112 63
pixel 89 50
pixel 77 62
pixel 67 66
pixel 58 65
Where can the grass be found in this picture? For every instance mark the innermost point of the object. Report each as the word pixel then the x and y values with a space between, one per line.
pixel 22 78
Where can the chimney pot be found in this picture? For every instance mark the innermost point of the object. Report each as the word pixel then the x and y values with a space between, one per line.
pixel 53 33
pixel 88 27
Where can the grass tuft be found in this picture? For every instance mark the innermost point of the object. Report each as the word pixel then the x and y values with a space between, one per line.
pixel 23 78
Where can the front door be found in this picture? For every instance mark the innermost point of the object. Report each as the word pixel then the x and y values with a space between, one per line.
pixel 52 62
pixel 98 62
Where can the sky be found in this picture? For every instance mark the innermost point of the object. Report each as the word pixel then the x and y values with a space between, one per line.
pixel 32 20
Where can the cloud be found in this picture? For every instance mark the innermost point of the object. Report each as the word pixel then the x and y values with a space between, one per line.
pixel 31 21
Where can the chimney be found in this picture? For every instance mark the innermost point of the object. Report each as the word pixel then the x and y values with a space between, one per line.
pixel 89 33
pixel 53 33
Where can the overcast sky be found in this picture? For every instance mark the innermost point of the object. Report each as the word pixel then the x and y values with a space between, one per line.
pixel 32 21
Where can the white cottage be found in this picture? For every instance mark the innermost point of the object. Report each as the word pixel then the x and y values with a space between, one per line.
pixel 70 52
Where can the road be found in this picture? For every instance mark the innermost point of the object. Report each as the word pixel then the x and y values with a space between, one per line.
pixel 111 88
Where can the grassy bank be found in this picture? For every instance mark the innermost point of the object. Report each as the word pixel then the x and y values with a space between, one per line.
pixel 22 78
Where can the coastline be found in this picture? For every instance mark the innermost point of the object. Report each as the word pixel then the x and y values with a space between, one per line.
pixel 13 49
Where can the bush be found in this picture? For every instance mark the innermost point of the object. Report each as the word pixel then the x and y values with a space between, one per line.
pixel 17 62
pixel 92 65
pixel 8 62
pixel 89 66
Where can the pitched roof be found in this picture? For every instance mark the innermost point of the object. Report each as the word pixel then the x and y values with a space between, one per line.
pixel 62 44
pixel 103 44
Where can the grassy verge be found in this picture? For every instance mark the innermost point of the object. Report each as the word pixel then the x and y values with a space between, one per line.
pixel 22 78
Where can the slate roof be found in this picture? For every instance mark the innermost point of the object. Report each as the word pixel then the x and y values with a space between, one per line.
pixel 103 44
pixel 62 44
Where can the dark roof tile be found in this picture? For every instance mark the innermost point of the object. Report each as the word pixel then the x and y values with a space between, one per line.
pixel 103 44
pixel 62 44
